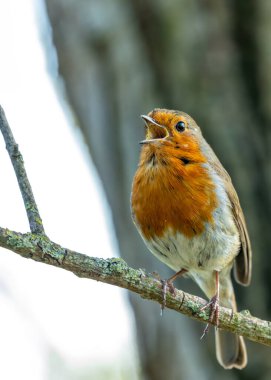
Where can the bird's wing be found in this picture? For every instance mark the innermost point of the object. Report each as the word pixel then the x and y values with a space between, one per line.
pixel 242 267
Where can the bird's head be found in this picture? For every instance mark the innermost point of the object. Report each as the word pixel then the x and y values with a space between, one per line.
pixel 174 133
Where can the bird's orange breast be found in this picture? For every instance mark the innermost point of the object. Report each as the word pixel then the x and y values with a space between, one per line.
pixel 172 190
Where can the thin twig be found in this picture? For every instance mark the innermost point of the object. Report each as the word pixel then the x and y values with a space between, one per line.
pixel 115 271
pixel 31 207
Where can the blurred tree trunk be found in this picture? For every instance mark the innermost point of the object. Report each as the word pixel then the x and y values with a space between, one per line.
pixel 211 59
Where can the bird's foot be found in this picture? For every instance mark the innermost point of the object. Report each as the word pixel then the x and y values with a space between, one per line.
pixel 214 313
pixel 166 285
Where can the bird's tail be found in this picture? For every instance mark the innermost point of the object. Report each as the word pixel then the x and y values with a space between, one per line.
pixel 230 348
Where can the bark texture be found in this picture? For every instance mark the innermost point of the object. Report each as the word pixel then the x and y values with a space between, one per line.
pixel 211 59
pixel 115 271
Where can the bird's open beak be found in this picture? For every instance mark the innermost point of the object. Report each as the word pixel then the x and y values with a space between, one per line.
pixel 155 132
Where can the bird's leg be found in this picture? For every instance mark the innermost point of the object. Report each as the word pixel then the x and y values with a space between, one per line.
pixel 214 307
pixel 168 285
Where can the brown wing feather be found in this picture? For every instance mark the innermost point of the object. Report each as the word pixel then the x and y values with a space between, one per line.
pixel 242 266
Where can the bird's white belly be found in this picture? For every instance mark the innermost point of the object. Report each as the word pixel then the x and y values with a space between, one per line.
pixel 208 251
pixel 213 249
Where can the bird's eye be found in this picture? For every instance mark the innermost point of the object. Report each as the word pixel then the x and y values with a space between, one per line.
pixel 180 126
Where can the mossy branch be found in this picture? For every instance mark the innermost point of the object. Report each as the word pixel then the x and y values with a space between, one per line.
pixel 115 271
pixel 37 246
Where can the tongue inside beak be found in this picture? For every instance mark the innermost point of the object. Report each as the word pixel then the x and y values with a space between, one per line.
pixel 155 131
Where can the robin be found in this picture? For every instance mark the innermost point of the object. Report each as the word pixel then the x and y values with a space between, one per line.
pixel 188 213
